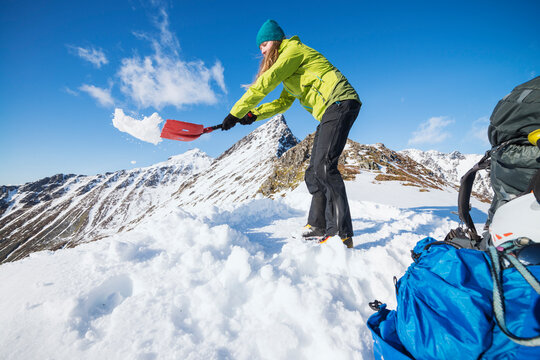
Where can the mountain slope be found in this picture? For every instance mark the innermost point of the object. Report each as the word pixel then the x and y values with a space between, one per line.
pixel 230 285
pixel 386 164
pixel 65 210
pixel 225 280
pixel 451 167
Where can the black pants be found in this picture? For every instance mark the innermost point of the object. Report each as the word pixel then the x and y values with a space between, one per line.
pixel 329 206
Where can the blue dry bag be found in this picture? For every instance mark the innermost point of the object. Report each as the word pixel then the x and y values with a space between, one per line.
pixel 445 307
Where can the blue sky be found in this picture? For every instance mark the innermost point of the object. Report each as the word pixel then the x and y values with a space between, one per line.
pixel 429 73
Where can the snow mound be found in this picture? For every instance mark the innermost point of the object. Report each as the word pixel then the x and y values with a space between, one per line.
pixel 215 282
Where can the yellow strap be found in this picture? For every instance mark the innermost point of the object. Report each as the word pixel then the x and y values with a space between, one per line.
pixel 534 136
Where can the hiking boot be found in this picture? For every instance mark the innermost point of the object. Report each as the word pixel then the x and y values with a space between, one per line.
pixel 312 231
pixel 318 239
pixel 348 242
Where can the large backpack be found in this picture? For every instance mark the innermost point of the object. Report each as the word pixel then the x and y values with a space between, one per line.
pixel 512 160
pixel 455 301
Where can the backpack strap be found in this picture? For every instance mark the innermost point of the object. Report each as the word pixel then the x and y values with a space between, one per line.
pixel 534 186
pixel 464 197
pixel 498 295
pixel 466 183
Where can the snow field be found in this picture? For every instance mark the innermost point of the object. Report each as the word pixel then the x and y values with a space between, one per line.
pixel 216 283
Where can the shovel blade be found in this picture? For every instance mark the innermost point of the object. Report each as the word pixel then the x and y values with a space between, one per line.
pixel 175 136
pixel 183 131
pixel 181 127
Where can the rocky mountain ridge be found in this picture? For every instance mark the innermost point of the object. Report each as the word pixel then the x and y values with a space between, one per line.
pixel 237 174
pixel 386 164
pixel 451 167
pixel 67 210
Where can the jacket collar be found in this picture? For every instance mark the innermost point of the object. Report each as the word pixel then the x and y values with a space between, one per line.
pixel 285 42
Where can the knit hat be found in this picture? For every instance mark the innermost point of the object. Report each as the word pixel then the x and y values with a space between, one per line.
pixel 269 31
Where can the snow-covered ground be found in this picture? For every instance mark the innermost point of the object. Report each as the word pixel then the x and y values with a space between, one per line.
pixel 222 283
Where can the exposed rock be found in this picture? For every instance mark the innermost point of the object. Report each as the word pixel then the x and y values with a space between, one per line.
pixel 451 167
pixel 67 210
pixel 289 170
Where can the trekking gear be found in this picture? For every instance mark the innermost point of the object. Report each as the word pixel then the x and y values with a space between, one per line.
pixel 518 218
pixel 310 231
pixel 229 122
pixel 320 239
pixel 512 161
pixel 498 293
pixel 184 131
pixel 529 255
pixel 324 239
pixel 470 234
pixel 516 115
pixel 269 31
pixel 348 242
pixel 446 303
pixel 454 299
pixel 329 207
pixel 533 137
pixel 248 119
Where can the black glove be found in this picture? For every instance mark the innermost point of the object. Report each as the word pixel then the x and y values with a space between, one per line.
pixel 229 122
pixel 248 119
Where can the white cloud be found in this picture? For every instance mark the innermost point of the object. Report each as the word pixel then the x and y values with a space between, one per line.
pixel 103 96
pixel 133 162
pixel 431 131
pixel 479 130
pixel 95 56
pixel 71 92
pixel 163 78
pixel 146 129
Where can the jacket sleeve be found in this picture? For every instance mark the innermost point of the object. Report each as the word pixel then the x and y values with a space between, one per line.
pixel 272 108
pixel 286 65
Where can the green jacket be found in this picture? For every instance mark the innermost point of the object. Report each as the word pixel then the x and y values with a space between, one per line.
pixel 306 75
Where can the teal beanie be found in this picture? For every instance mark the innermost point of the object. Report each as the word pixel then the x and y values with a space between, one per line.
pixel 269 31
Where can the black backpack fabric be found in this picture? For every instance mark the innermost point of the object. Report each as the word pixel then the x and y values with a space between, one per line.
pixel 514 160
pixel 516 115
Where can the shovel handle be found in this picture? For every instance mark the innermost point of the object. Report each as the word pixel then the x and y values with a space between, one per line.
pixel 215 127
pixel 211 128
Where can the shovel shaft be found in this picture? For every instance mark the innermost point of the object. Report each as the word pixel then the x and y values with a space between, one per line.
pixel 211 128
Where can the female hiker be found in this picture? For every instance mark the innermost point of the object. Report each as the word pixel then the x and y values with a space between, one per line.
pixel 324 92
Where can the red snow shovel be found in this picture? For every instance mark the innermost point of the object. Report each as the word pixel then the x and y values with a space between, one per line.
pixel 183 131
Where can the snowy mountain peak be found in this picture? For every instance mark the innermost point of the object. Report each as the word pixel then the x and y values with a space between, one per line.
pixel 451 167
pixel 236 175
pixel 66 210
pixel 384 165
pixel 274 136
pixel 193 158
pixel 188 156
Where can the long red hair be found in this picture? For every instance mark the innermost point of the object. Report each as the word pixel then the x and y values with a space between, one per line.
pixel 270 58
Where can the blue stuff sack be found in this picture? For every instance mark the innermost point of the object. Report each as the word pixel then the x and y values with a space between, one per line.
pixel 445 308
